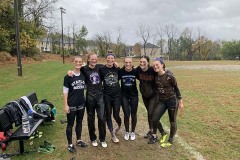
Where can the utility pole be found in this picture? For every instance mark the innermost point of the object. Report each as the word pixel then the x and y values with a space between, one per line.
pixel 62 11
pixel 17 38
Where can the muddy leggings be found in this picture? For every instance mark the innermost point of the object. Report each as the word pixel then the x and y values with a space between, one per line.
pixel 130 106
pixel 78 115
pixel 96 103
pixel 150 104
pixel 112 105
pixel 172 106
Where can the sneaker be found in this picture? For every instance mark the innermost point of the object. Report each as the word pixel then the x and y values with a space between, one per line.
pixel 132 136
pixel 48 145
pixel 104 144
pixel 165 144
pixel 43 149
pixel 72 149
pixel 116 130
pixel 148 135
pixel 152 140
pixel 163 139
pixel 126 136
pixel 94 143
pixel 114 138
pixel 81 144
pixel 170 140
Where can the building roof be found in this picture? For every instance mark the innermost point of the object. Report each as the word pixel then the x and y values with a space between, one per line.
pixel 150 45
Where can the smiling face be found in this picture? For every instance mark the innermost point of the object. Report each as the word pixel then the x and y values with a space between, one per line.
pixel 158 67
pixel 143 63
pixel 128 64
pixel 92 60
pixel 77 62
pixel 110 60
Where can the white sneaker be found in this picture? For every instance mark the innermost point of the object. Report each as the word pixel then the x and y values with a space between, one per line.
pixel 104 144
pixel 94 143
pixel 132 136
pixel 126 136
pixel 114 138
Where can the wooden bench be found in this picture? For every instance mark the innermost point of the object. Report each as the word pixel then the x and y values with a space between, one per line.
pixel 18 133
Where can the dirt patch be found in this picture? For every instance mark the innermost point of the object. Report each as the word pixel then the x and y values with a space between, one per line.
pixel 211 67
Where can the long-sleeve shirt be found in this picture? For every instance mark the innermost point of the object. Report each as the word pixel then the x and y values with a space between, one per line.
pixel 167 86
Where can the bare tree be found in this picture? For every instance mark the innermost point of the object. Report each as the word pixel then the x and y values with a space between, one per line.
pixel 171 31
pixel 160 34
pixel 119 47
pixel 145 32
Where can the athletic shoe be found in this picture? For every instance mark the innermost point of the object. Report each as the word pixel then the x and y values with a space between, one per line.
pixel 72 149
pixel 116 130
pixel 152 140
pixel 148 135
pixel 94 143
pixel 81 144
pixel 48 145
pixel 114 138
pixel 43 149
pixel 163 139
pixel 165 144
pixel 132 136
pixel 126 136
pixel 104 144
pixel 170 140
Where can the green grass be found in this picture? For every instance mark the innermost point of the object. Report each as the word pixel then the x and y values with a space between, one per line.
pixel 210 121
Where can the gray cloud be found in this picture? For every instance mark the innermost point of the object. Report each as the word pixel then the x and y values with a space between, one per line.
pixel 218 19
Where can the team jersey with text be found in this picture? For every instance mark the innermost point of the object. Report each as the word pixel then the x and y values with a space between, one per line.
pixel 128 82
pixel 76 85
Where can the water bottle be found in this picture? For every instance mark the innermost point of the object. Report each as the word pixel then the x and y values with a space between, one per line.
pixel 30 118
pixel 25 124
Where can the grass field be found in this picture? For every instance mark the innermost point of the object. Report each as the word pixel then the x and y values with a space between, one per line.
pixel 209 125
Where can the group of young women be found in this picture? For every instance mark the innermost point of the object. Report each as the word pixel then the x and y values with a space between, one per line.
pixel 105 95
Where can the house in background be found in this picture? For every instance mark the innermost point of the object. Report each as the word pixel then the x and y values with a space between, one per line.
pixel 153 51
pixel 54 45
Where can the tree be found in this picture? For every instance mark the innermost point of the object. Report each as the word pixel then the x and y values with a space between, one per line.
pixel 186 44
pixel 231 50
pixel 171 32
pixel 81 42
pixel 119 46
pixel 144 32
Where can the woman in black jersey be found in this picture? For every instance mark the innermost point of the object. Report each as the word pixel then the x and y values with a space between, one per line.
pixel 94 99
pixel 112 94
pixel 146 77
pixel 74 103
pixel 129 92
pixel 169 99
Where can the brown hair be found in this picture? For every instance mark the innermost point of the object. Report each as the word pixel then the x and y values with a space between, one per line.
pixel 74 57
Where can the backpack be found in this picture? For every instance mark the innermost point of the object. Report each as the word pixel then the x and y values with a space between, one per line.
pixel 47 108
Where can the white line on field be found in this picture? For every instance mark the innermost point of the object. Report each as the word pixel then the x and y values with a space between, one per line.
pixel 197 155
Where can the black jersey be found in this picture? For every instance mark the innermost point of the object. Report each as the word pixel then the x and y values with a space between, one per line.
pixel 76 86
pixel 147 81
pixel 93 80
pixel 110 79
pixel 128 82
pixel 167 86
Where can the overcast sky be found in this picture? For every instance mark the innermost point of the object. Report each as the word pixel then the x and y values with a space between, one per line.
pixel 218 19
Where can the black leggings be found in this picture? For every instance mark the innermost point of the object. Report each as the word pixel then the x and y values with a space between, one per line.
pixel 95 102
pixel 112 105
pixel 150 104
pixel 130 106
pixel 78 114
pixel 172 106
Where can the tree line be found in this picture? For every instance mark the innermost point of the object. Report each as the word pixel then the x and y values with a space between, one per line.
pixel 188 44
